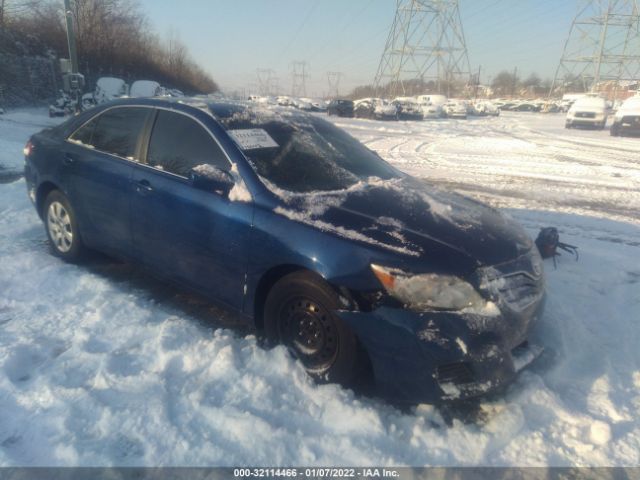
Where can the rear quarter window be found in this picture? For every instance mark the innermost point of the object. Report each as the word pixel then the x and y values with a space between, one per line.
pixel 116 131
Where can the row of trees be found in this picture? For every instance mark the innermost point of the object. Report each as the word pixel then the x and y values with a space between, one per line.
pixel 113 38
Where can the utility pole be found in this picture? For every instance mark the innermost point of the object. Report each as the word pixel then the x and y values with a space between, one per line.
pixel 475 95
pixel 299 79
pixel 603 45
pixel 71 37
pixel 2 2
pixel 426 42
pixel 515 82
pixel 72 80
pixel 334 83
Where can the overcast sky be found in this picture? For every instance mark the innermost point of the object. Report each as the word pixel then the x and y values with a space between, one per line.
pixel 232 38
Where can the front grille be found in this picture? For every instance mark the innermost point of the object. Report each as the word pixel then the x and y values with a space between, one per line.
pixel 585 115
pixel 457 373
pixel 631 120
pixel 516 284
pixel 519 290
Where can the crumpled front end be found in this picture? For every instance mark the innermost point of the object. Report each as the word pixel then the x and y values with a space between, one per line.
pixel 443 355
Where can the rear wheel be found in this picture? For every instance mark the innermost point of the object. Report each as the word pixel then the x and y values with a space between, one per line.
pixel 62 227
pixel 299 313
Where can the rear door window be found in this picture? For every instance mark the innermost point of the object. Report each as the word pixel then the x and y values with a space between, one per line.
pixel 115 131
pixel 178 143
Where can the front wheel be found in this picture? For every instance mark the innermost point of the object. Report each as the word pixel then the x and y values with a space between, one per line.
pixel 299 313
pixel 62 227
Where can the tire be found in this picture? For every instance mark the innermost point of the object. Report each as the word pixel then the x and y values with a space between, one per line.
pixel 299 313
pixel 61 225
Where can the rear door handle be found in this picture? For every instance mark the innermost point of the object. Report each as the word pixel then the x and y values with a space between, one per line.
pixel 143 187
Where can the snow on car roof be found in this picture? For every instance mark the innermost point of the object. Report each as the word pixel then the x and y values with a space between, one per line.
pixel 590 102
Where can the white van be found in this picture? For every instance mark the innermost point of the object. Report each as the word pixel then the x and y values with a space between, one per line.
pixel 146 88
pixel 432 105
pixel 109 88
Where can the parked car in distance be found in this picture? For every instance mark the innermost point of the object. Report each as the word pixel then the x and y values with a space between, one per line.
pixel 526 107
pixel 340 108
pixel 110 88
pixel 303 104
pixel 588 111
pixel 432 105
pixel 408 108
pixel 486 108
pixel 62 105
pixel 456 109
pixel 375 109
pixel 285 101
pixel 146 88
pixel 313 105
pixel 627 118
pixel 304 232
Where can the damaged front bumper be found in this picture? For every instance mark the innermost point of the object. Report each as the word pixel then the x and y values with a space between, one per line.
pixel 432 356
pixel 443 355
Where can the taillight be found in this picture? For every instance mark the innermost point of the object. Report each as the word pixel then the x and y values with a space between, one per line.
pixel 28 148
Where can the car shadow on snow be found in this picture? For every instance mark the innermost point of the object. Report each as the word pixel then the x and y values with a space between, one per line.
pixel 130 277
pixel 9 176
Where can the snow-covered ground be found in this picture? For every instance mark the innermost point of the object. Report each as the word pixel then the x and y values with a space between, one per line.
pixel 100 365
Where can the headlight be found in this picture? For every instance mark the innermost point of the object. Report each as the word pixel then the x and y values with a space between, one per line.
pixel 429 291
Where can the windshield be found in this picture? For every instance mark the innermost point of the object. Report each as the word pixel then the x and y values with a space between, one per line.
pixel 301 153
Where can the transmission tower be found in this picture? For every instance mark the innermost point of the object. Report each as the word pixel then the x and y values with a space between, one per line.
pixel 265 80
pixel 334 83
pixel 425 44
pixel 603 45
pixel 299 79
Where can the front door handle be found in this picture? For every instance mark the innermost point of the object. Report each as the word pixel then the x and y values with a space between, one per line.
pixel 143 187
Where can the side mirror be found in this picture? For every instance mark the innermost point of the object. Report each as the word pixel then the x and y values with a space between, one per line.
pixel 211 178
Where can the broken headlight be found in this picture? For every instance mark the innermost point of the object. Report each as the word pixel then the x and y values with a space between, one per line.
pixel 430 291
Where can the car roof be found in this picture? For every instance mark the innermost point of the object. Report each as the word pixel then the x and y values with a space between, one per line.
pixel 219 108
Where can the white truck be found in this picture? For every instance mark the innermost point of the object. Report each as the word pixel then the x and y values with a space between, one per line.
pixel 588 111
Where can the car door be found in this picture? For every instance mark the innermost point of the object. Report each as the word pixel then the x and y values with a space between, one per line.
pixel 193 236
pixel 98 161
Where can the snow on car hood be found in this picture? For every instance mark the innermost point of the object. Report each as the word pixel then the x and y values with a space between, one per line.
pixel 409 216
pixel 385 109
pixel 629 107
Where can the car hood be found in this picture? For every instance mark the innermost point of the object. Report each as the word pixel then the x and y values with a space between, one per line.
pixel 628 112
pixel 587 108
pixel 416 219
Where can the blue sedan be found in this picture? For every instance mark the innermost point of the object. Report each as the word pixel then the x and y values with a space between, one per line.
pixel 286 219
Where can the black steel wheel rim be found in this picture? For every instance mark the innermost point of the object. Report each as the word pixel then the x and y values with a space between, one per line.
pixel 309 330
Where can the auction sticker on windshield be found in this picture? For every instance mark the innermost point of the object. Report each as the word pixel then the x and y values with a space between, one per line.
pixel 252 138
